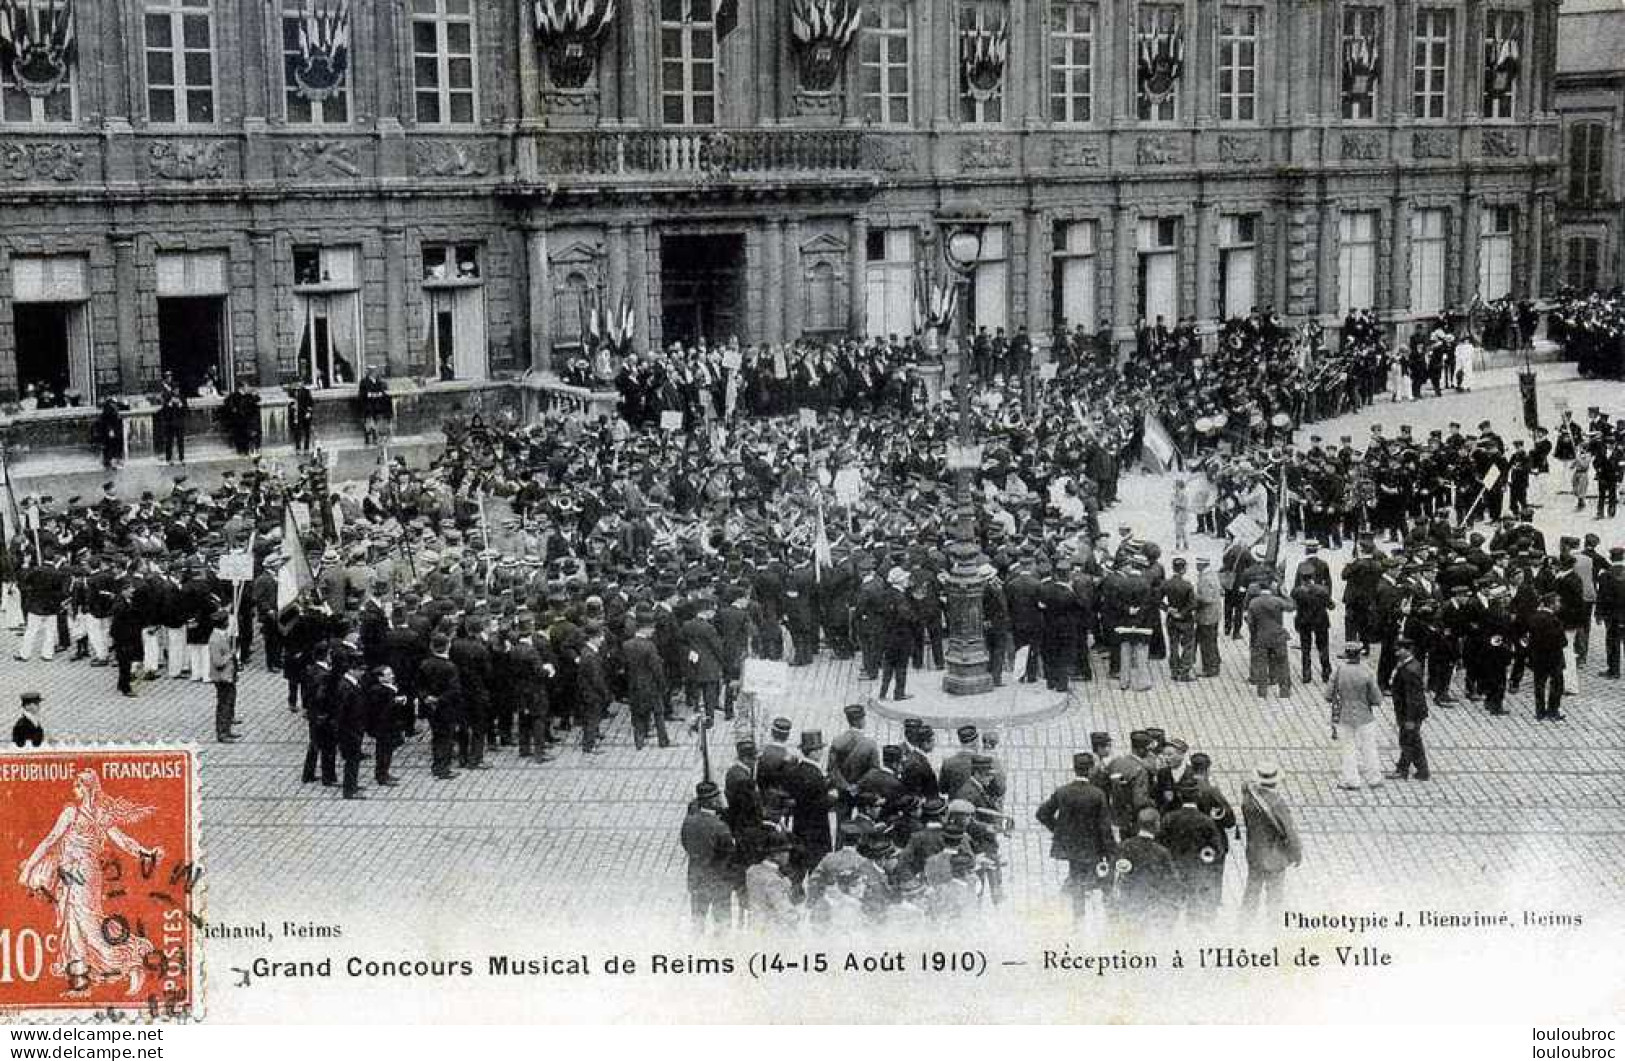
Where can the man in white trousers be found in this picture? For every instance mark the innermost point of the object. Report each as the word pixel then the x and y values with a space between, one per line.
pixel 1354 694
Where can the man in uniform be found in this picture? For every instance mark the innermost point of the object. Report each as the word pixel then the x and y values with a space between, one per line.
pixel 1144 883
pixel 316 692
pixel 851 755
pixel 1410 711
pixel 350 719
pixel 1080 829
pixel 1179 596
pixel 440 693
pixel 1196 845
pixel 709 845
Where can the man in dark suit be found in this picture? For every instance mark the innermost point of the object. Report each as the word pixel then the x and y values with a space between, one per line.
pixel 1611 607
pixel 703 653
pixel 1544 640
pixel 316 692
pixel 1197 845
pixel 1060 618
pixel 645 680
pixel 1179 597
pixel 881 786
pixel 350 720
pixel 473 662
pixel 709 845
pixel 529 663
pixel 384 705
pixel 811 799
pixel 1026 620
pixel 126 633
pixel 851 755
pixel 801 609
pixel 733 627
pixel 440 693
pixel 1080 830
pixel 918 775
pixel 1144 881
pixel 1410 694
pixel 592 687
pixel 897 636
pixel 740 791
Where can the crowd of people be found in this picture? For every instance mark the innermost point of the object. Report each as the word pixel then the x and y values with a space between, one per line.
pixel 508 596
pixel 1591 327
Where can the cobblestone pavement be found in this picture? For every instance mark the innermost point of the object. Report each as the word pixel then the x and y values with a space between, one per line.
pixel 1517 812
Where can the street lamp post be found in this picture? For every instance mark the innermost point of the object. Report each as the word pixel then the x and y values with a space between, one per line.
pixel 966 654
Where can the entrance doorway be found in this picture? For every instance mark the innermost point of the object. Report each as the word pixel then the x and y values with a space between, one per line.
pixel 702 287
pixel 192 342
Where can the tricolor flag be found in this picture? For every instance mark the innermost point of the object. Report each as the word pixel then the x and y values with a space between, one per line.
pixel 296 575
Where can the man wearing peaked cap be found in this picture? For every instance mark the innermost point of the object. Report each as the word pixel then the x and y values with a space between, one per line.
pixel 956 768
pixel 1080 828
pixel 709 845
pixel 775 756
pixel 852 754
pixel 740 788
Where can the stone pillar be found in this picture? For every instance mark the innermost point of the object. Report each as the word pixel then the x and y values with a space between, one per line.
pixel 773 288
pixel 1399 264
pixel 531 76
pixel 402 360
pixel 537 284
pixel 791 270
pixel 1326 265
pixel 638 57
pixel 1471 57
pixel 857 263
pixel 637 276
pixel 128 302
pixel 1205 36
pixel 1281 46
pixel 1037 317
pixel 1535 245
pixel 1207 309
pixel 617 266
pixel 1125 271
pixel 1472 213
pixel 1123 83
pixel 1396 67
pixel 267 365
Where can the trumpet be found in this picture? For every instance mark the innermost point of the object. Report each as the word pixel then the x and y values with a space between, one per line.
pixel 1000 821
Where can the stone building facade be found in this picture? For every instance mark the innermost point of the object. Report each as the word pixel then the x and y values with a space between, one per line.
pixel 448 189
pixel 1591 105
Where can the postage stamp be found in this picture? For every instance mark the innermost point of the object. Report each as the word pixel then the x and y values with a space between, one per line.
pixel 100 884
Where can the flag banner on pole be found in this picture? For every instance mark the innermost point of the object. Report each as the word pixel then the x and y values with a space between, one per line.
pixel 1157 448
pixel 1492 476
pixel 296 575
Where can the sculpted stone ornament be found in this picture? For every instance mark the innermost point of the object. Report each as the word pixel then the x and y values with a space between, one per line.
pixel 41 161
pixel 888 154
pixel 986 152
pixel 569 32
pixel 1156 150
pixel 1361 147
pixel 449 158
pixel 1433 143
pixel 1241 149
pixel 1501 143
pixel 181 160
pixel 37 48
pixel 315 158
pixel 323 60
pixel 1076 154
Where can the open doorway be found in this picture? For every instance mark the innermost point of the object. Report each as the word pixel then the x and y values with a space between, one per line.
pixel 702 287
pixel 44 352
pixel 192 343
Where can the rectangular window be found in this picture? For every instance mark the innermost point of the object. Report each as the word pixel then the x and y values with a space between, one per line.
pixel 316 56
pixel 1071 63
pixel 1160 38
pixel 1072 302
pixel 984 51
pixel 1503 58
pixel 1238 260
pixel 454 311
pixel 1430 63
pixel 990 281
pixel 1583 262
pixel 883 61
pixel 1158 245
pixel 1427 261
pixel 889 282
pixel 1587 151
pixel 327 295
pixel 688 62
pixel 51 360
pixel 1362 61
pixel 1495 252
pixel 56 107
pixel 1238 64
pixel 179 37
pixel 443 61
pixel 1356 261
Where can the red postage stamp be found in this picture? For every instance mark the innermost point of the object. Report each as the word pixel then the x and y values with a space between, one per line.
pixel 100 885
